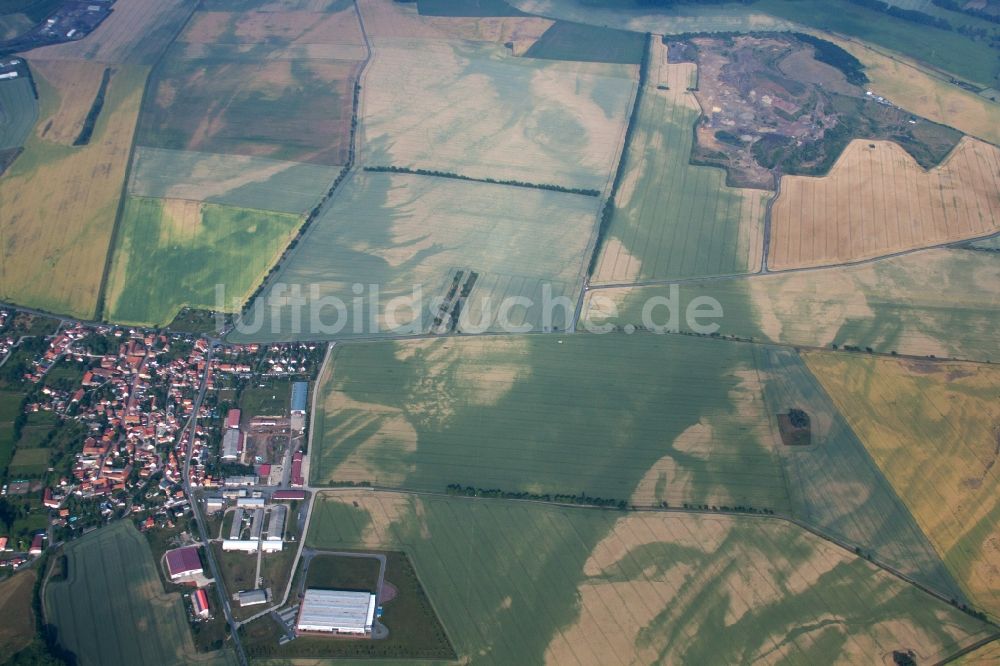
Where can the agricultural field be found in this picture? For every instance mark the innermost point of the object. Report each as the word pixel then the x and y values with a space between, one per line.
pixel 939 302
pixel 521 583
pixel 301 33
pixel 136 33
pixel 10 405
pixel 403 232
pixel 988 244
pixel 472 109
pixel 659 418
pixel 916 416
pixel 230 180
pixel 587 43
pixel 18 112
pixel 835 486
pixel 297 110
pixel 138 623
pixel 466 8
pixel 878 201
pixel 28 462
pixel 18 628
pixel 672 219
pixel 173 252
pixel 988 654
pixel 54 238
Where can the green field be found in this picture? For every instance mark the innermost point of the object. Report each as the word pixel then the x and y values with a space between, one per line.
pixel 173 253
pixel 587 43
pixel 335 572
pixel 18 112
pixel 35 10
pixel 672 219
pixel 987 244
pixel 135 621
pixel 18 629
pixel 647 418
pixel 230 180
pixel 941 302
pixel 297 111
pixel 473 109
pixel 516 583
pixel 403 232
pixel 466 8
pixel 271 400
pixel 29 462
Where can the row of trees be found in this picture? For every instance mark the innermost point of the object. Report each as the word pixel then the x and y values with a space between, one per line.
pixel 456 176
pixel 456 489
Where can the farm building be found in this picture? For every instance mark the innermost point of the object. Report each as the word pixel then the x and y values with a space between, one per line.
pixel 214 504
pixel 337 612
pixel 297 481
pixel 183 562
pixel 237 481
pixel 276 523
pixel 300 391
pixel 237 526
pixel 250 502
pixel 233 419
pixel 232 444
pixel 199 602
pixel 244 545
pixel 36 545
pixel 252 598
pixel 257 524
pixel 288 495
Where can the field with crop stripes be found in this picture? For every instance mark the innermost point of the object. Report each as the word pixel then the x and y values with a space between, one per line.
pixel 940 302
pixel 934 430
pixel 173 252
pixel 233 180
pixel 111 609
pixel 521 583
pixel 672 219
pixel 649 418
pixel 471 108
pixel 877 200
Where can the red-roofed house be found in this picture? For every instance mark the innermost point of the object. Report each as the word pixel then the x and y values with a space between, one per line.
pixel 199 600
pixel 36 545
pixel 233 418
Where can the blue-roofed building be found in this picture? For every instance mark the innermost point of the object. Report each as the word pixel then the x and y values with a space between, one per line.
pixel 300 391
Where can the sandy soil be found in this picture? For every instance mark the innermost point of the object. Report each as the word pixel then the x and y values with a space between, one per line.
pixel 877 200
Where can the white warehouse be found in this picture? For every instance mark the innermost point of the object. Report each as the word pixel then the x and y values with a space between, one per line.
pixel 337 612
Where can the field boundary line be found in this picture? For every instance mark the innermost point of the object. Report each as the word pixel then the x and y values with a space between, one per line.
pixel 100 306
pixel 781 517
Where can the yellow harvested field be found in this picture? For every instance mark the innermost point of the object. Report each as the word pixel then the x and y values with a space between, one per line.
pixel 77 82
pixel 295 27
pixel 59 202
pixel 909 86
pixel 988 655
pixel 933 428
pixel 877 201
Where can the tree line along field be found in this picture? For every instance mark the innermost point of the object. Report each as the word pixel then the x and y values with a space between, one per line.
pixel 401 231
pixel 59 200
pixel 877 201
pixel 172 253
pixel 111 608
pixel 644 420
pixel 232 180
pixel 939 302
pixel 472 109
pixel 916 416
pixel 672 219
pixel 527 583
